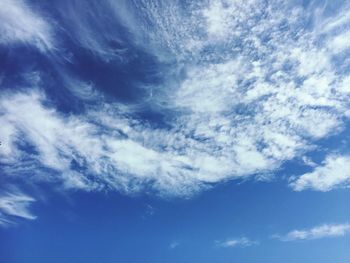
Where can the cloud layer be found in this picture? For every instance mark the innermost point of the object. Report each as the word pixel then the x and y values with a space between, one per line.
pixel 256 89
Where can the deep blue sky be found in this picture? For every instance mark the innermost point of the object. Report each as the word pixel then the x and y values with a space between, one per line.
pixel 174 131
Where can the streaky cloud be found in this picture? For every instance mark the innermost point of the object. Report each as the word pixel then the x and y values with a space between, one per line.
pixel 236 242
pixel 318 232
pixel 14 204
pixel 20 24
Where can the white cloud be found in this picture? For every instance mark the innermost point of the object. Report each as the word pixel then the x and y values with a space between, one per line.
pixel 340 43
pixel 240 242
pixel 223 18
pixel 334 173
pixel 14 204
pixel 259 93
pixel 337 22
pixel 18 23
pixel 323 231
pixel 308 161
pixel 109 159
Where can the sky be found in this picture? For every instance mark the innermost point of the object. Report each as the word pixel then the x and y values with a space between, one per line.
pixel 174 131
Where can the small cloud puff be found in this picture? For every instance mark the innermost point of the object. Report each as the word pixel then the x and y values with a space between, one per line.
pixel 174 244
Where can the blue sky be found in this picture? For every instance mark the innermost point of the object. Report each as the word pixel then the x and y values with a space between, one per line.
pixel 174 131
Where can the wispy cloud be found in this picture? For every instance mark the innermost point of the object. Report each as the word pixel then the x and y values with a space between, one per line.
pixel 334 173
pixel 322 231
pixel 259 89
pixel 18 23
pixel 15 204
pixel 75 147
pixel 239 242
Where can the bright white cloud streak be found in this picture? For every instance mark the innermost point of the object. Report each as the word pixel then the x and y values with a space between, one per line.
pixel 323 231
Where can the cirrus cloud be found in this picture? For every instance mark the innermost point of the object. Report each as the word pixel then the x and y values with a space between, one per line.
pixel 14 205
pixel 260 91
pixel 20 24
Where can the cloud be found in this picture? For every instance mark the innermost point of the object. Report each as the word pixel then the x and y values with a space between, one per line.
pixel 20 24
pixel 340 42
pixel 149 211
pixel 240 242
pixel 338 22
pixel 14 205
pixel 334 173
pixel 257 89
pixel 115 153
pixel 323 231
pixel 155 21
pixel 97 31
pixel 174 244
